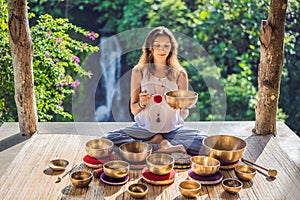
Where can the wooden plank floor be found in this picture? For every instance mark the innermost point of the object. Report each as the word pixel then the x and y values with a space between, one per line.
pixel 26 177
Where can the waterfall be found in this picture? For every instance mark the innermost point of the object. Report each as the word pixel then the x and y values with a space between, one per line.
pixel 110 67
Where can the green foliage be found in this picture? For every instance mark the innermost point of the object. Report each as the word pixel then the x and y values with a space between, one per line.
pixel 228 29
pixel 7 112
pixel 198 84
pixel 290 94
pixel 104 14
pixel 240 98
pixel 135 15
pixel 173 14
pixel 56 61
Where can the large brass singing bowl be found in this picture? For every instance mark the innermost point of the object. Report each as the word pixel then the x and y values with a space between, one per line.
pixel 181 99
pixel 204 165
pixel 116 168
pixel 160 163
pixel 225 148
pixel 189 188
pixel 81 178
pixel 99 148
pixel 135 151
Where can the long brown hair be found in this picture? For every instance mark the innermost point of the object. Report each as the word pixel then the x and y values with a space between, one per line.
pixel 146 59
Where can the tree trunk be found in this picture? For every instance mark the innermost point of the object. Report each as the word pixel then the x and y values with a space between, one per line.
pixel 22 53
pixel 270 68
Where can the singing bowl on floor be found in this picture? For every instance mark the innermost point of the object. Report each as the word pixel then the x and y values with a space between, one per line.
pixel 99 148
pixel 232 185
pixel 245 172
pixel 135 151
pixel 225 148
pixel 81 178
pixel 204 165
pixel 160 163
pixel 58 164
pixel 189 188
pixel 181 99
pixel 116 168
pixel 138 190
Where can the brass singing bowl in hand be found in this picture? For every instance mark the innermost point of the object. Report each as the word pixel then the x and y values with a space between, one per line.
pixel 181 99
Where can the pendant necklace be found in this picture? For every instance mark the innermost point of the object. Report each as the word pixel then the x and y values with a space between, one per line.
pixel 157 119
pixel 162 87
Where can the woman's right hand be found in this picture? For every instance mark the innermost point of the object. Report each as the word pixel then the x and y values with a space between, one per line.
pixel 144 98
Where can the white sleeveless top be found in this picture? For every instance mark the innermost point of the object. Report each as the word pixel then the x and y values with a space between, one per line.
pixel 158 117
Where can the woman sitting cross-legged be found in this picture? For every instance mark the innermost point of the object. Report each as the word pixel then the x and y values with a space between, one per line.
pixel 157 72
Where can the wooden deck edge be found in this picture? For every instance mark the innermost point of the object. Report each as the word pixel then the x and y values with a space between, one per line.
pixel 286 138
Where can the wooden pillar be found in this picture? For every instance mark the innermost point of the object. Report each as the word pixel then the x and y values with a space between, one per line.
pixel 22 53
pixel 270 67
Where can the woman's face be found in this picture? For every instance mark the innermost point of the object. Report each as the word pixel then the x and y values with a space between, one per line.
pixel 161 48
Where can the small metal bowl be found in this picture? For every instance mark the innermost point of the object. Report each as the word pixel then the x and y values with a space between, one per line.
pixel 225 148
pixel 81 178
pixel 135 151
pixel 138 190
pixel 245 172
pixel 182 99
pixel 232 185
pixel 160 163
pixel 190 188
pixel 116 168
pixel 58 164
pixel 204 165
pixel 99 148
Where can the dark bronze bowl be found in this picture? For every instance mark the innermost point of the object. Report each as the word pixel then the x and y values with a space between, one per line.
pixel 232 185
pixel 81 178
pixel 138 190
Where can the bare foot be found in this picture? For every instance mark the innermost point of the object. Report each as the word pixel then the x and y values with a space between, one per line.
pixel 157 139
pixel 167 147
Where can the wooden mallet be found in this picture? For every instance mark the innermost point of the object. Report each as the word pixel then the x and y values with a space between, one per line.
pixel 271 172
